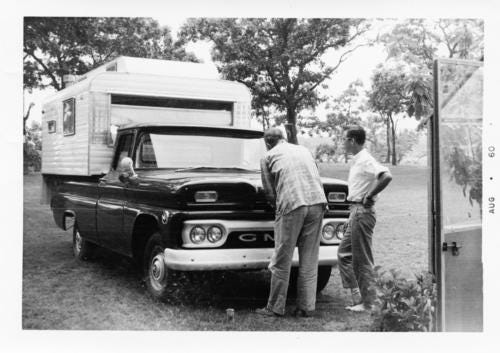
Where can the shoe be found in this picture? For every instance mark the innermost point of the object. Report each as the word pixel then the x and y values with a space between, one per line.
pixel 266 312
pixel 359 308
pixel 302 313
pixel 360 302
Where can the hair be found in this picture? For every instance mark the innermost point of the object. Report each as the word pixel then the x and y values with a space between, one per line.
pixel 273 135
pixel 357 133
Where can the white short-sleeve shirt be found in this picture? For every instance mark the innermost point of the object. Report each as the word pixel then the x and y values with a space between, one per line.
pixel 363 174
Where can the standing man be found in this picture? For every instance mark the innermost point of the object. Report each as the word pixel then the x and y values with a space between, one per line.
pixel 293 186
pixel 366 179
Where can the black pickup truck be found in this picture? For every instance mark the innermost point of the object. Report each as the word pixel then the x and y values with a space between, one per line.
pixel 185 198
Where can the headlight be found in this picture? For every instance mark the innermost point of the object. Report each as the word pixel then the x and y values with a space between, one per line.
pixel 214 234
pixel 332 232
pixel 341 231
pixel 197 234
pixel 329 231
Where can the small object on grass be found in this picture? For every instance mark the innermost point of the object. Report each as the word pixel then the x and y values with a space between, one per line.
pixel 230 315
pixel 302 313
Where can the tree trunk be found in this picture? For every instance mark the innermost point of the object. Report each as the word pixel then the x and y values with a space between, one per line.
pixel 26 116
pixel 291 128
pixel 25 159
pixel 388 140
pixel 393 130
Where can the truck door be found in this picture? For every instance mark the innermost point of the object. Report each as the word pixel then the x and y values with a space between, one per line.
pixel 111 200
pixel 456 193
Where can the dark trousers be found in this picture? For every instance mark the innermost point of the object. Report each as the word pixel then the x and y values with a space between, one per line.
pixel 355 252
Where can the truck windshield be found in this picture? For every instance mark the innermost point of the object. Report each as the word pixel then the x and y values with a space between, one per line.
pixel 157 150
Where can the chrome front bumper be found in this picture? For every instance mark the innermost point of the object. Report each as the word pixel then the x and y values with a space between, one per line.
pixel 235 259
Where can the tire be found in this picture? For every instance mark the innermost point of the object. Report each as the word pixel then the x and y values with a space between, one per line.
pixel 156 274
pixel 324 273
pixel 82 249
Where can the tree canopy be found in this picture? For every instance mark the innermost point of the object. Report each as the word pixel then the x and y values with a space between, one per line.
pixel 389 97
pixel 279 59
pixel 56 46
pixel 343 110
pixel 417 42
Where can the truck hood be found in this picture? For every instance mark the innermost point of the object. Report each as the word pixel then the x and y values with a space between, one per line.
pixel 235 189
pixel 177 180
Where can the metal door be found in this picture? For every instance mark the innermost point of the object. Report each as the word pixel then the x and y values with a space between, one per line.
pixel 112 200
pixel 456 196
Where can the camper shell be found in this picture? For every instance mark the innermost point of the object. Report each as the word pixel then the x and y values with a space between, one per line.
pixel 79 122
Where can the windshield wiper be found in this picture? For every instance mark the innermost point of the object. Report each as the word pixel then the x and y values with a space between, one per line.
pixel 212 168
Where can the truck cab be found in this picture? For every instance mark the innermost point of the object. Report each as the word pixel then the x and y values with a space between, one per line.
pixel 190 200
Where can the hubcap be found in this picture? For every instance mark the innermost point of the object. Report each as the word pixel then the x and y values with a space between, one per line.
pixel 157 271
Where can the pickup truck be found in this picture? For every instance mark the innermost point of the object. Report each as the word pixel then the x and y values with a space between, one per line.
pixel 184 198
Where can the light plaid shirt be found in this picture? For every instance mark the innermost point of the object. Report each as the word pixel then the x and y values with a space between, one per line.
pixel 290 178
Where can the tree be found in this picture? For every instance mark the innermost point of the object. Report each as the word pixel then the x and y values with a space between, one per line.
pixel 419 41
pixel 324 152
pixel 405 141
pixel 279 59
pixel 374 125
pixel 32 148
pixel 388 98
pixel 56 46
pixel 26 143
pixel 26 117
pixel 344 110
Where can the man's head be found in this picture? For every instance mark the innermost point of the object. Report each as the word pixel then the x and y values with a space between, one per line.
pixel 272 137
pixel 354 139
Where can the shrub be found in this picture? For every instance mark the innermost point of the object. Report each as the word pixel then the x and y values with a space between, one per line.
pixel 403 304
pixel 32 148
pixel 325 152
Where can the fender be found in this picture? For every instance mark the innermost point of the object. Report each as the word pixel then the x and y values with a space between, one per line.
pixel 137 216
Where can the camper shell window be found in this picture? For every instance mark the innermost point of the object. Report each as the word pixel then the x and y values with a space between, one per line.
pixel 170 102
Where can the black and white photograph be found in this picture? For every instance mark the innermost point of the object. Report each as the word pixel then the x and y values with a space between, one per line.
pixel 292 172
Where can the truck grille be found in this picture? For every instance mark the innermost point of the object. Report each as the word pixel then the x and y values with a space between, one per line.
pixel 251 239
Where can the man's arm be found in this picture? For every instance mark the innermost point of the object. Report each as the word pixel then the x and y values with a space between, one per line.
pixel 268 182
pixel 383 180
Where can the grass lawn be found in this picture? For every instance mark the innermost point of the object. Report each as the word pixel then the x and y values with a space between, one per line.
pixel 107 293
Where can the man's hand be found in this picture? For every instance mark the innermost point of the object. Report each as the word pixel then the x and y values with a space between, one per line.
pixel 368 201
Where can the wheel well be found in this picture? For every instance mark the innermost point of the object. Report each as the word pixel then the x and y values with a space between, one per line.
pixel 145 226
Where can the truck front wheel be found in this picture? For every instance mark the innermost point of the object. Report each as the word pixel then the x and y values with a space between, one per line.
pixel 82 249
pixel 156 273
pixel 324 273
